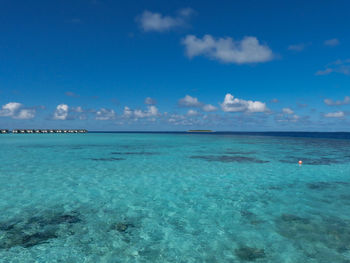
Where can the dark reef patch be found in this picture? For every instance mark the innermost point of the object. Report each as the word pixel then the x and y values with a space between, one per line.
pixel 250 217
pixel 274 187
pixel 250 253
pixel 332 232
pixel 134 153
pixel 294 218
pixel 108 159
pixel 32 231
pixel 240 152
pixel 326 185
pixel 228 159
pixel 37 238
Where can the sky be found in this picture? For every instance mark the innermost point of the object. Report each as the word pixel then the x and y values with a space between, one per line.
pixel 172 66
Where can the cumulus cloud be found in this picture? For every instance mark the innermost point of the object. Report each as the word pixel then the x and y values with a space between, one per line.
pixel 151 21
pixel 332 42
pixel 287 111
pixel 25 114
pixel 189 101
pixel 338 66
pixel 152 111
pixel 61 112
pixel 15 110
pixel 105 114
pixel 150 101
pixel 192 113
pixel 337 114
pixel 227 50
pixel 9 109
pixel 231 104
pixel 209 108
pixel 331 102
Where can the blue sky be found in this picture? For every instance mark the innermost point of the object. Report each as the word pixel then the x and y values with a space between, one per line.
pixel 155 65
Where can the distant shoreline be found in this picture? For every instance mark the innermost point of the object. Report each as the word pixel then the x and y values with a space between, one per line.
pixel 294 134
pixel 200 131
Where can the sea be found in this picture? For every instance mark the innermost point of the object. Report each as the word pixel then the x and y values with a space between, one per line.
pixel 175 197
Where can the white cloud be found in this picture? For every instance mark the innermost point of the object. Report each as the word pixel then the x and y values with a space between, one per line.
pixel 127 112
pixel 189 101
pixel 232 104
pixel 25 114
pixel 287 111
pixel 248 50
pixel 192 113
pixel 337 114
pixel 15 111
pixel 10 109
pixel 152 111
pixel 209 108
pixel 105 114
pixel 331 102
pixel 150 101
pixel 332 42
pixel 150 21
pixel 61 112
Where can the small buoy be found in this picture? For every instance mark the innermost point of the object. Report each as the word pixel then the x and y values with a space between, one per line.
pixel 300 162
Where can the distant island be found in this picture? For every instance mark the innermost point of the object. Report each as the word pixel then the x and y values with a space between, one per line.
pixel 199 131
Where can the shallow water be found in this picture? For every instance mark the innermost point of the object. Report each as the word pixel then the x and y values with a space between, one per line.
pixel 174 198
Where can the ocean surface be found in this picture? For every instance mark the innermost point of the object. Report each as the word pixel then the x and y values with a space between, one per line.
pixel 175 197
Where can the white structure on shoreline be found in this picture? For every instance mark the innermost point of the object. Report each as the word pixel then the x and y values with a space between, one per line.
pixel 32 131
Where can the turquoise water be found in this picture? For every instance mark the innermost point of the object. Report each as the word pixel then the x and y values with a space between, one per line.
pixel 173 198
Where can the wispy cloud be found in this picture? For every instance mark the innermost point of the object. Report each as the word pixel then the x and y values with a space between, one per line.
pixel 150 101
pixel 338 66
pixel 151 21
pixel 227 50
pixel 105 114
pixel 332 42
pixel 71 94
pixel 298 47
pixel 152 111
pixel 287 111
pixel 337 114
pixel 331 102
